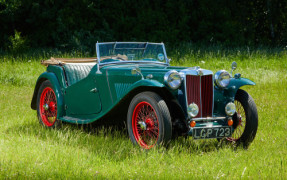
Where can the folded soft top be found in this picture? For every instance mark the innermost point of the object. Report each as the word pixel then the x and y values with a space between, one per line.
pixel 60 61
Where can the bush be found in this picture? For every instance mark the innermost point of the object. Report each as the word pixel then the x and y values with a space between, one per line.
pixel 18 44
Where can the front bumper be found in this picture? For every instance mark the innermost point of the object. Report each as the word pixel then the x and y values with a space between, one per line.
pixel 209 123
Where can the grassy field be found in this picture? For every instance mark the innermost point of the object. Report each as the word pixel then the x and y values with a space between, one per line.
pixel 28 150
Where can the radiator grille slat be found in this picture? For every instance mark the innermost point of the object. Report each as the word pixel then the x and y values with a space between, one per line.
pixel 199 90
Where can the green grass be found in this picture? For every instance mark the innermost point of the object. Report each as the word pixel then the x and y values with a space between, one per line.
pixel 28 150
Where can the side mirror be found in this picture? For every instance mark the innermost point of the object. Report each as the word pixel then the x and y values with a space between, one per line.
pixel 136 70
pixel 233 66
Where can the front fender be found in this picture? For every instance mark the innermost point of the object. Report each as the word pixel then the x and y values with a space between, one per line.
pixel 235 84
pixel 57 89
pixel 223 96
pixel 146 82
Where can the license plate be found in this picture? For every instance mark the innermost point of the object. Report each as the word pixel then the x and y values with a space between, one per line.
pixel 211 132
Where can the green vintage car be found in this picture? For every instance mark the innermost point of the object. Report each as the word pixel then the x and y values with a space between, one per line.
pixel 134 82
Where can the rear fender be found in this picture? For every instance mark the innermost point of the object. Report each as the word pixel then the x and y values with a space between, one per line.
pixel 57 88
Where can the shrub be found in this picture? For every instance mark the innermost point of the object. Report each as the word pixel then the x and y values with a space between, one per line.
pixel 18 44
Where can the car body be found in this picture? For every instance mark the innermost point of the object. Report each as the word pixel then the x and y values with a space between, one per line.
pixel 157 100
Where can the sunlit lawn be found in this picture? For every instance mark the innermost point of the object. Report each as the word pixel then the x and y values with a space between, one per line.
pixel 28 150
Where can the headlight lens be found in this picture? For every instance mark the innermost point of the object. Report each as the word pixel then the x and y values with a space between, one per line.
pixel 230 109
pixel 222 78
pixel 192 110
pixel 172 79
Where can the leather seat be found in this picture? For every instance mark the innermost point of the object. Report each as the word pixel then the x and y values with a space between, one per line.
pixel 77 72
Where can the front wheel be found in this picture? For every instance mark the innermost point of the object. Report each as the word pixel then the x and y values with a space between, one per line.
pixel 148 120
pixel 245 119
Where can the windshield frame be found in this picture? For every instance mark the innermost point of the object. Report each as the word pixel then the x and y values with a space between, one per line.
pixel 137 61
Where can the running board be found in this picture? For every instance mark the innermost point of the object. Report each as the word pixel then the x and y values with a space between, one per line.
pixel 75 120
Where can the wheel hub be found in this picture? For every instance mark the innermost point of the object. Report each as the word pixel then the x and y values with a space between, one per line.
pixel 142 125
pixel 149 123
pixel 52 106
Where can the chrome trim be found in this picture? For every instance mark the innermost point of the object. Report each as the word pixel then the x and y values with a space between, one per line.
pixel 149 76
pixel 98 58
pixel 165 55
pixel 212 83
pixel 128 43
pixel 208 118
pixel 200 96
pixel 107 76
pixel 145 48
pixel 130 48
pixel 196 71
pixel 185 91
pixel 121 62
pixel 98 55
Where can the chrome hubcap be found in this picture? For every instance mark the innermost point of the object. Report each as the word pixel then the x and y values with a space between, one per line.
pixel 142 125
pixel 46 107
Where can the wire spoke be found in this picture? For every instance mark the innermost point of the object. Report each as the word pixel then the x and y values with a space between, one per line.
pixel 241 120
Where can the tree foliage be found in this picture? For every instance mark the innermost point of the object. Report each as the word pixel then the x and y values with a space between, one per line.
pixel 80 23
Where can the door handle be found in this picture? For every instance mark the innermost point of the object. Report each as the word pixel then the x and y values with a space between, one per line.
pixel 94 90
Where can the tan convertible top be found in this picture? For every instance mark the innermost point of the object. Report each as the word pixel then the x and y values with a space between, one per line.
pixel 59 61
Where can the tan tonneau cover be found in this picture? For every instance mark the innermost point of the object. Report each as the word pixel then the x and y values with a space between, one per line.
pixel 60 61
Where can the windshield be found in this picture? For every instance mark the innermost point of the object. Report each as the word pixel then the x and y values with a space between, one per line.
pixel 125 51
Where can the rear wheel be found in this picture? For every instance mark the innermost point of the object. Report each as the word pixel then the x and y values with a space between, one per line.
pixel 149 121
pixel 47 105
pixel 245 119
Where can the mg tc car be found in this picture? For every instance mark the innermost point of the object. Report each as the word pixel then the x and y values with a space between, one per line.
pixel 157 101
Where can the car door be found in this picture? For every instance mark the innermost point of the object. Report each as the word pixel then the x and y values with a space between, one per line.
pixel 83 97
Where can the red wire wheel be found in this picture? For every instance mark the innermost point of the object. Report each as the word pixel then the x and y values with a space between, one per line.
pixel 145 125
pixel 240 122
pixel 245 119
pixel 149 121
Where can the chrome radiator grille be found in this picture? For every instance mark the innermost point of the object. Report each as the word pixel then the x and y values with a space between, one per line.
pixel 199 90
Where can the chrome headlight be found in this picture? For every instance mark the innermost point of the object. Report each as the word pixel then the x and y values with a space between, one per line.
pixel 172 79
pixel 192 110
pixel 230 109
pixel 222 78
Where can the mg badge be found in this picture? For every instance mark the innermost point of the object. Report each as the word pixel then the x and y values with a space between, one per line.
pixel 200 72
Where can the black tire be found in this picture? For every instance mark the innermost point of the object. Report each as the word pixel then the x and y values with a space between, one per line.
pixel 245 128
pixel 49 116
pixel 150 108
